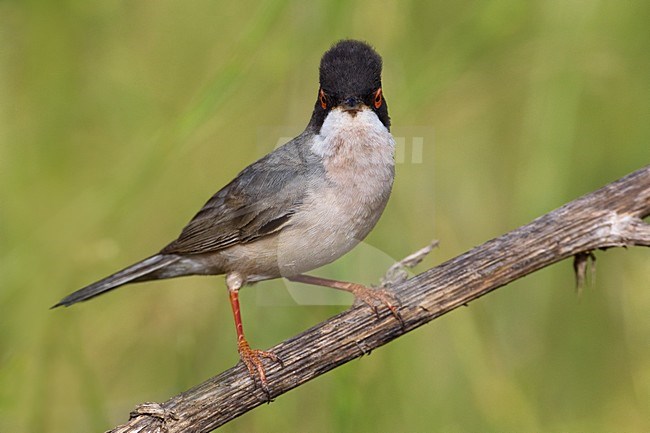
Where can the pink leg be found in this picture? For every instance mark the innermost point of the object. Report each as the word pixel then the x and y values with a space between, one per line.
pixel 367 295
pixel 252 358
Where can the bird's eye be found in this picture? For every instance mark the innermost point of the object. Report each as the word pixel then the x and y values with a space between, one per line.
pixel 323 99
pixel 378 98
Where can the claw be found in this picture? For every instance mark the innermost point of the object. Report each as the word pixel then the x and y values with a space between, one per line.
pixel 252 359
pixel 372 297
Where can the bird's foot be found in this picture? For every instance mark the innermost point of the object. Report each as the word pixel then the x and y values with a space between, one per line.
pixel 376 297
pixel 252 359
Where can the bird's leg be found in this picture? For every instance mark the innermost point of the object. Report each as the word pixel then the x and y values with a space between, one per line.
pixel 252 358
pixel 368 295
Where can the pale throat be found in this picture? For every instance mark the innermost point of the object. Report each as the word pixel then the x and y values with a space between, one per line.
pixel 357 138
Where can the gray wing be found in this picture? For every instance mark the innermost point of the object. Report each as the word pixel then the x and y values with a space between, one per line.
pixel 258 202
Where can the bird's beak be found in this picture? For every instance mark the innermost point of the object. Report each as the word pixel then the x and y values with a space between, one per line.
pixel 352 104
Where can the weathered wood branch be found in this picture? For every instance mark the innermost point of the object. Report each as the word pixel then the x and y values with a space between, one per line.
pixel 609 217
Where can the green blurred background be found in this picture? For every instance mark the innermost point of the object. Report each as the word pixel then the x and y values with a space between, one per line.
pixel 119 119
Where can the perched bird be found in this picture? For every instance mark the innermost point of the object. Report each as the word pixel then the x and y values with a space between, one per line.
pixel 298 208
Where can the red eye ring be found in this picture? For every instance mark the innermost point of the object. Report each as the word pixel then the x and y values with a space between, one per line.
pixel 323 99
pixel 378 99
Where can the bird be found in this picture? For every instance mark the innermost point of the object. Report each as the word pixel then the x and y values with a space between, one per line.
pixel 303 205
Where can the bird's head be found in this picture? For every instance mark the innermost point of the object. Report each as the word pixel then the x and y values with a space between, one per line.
pixel 350 81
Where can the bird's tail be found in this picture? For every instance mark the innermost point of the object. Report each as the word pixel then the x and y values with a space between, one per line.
pixel 136 272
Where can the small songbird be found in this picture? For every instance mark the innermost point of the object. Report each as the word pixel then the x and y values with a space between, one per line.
pixel 298 208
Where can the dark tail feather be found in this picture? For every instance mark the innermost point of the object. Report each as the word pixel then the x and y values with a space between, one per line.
pixel 128 275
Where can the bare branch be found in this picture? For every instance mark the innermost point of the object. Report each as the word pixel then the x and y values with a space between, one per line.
pixel 609 217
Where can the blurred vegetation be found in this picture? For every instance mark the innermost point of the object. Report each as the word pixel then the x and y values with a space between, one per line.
pixel 119 119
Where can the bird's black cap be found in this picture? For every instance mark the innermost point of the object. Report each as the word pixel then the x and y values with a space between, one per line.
pixel 350 68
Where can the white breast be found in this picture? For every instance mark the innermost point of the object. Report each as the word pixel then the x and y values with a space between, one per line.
pixel 357 152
